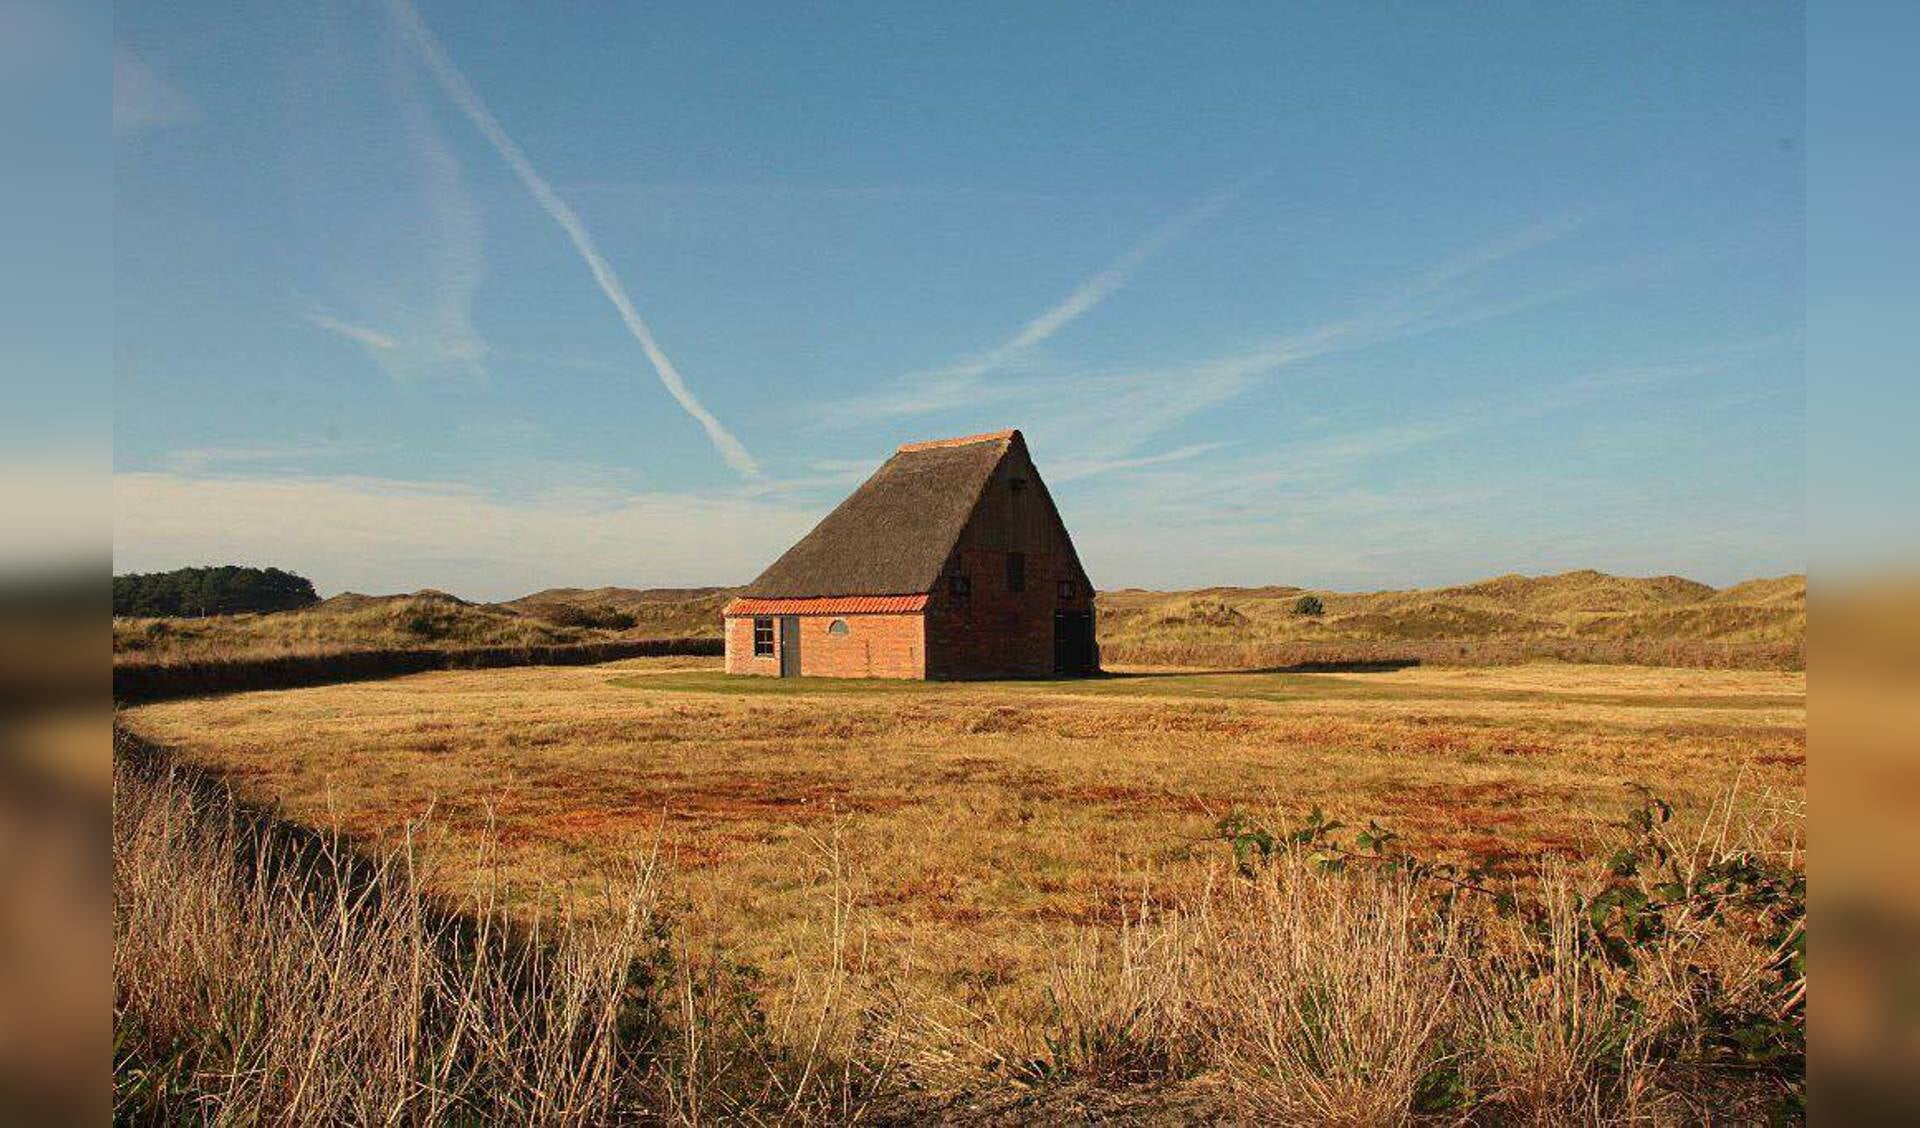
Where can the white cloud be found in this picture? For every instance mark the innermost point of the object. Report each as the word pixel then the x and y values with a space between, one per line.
pixel 382 535
pixel 455 86
pixel 144 101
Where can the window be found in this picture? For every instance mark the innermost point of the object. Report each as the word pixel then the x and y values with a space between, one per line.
pixel 837 628
pixel 960 586
pixel 763 638
pixel 1017 485
pixel 1068 589
pixel 1016 571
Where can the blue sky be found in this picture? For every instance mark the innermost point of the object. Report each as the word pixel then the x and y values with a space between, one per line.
pixel 492 297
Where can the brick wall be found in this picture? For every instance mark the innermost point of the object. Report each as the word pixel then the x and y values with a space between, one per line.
pixel 740 659
pixel 993 632
pixel 875 646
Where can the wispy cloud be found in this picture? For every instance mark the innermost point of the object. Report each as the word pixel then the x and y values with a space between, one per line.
pixel 1073 469
pixel 142 100
pixel 1428 302
pixel 359 334
pixel 195 460
pixel 1301 474
pixel 463 95
pixel 1400 499
pixel 1101 419
pixel 922 392
pixel 404 295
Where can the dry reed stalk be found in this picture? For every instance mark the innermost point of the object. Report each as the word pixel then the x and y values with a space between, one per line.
pixel 262 974
pixel 267 974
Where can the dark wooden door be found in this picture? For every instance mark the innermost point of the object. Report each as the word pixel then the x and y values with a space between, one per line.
pixel 1073 644
pixel 789 646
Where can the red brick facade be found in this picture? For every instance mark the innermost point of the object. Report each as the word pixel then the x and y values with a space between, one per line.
pixel 1009 584
pixel 873 646
pixel 992 632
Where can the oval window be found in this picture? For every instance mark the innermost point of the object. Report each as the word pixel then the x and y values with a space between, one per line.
pixel 837 627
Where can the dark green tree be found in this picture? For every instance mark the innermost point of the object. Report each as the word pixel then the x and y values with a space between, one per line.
pixel 225 590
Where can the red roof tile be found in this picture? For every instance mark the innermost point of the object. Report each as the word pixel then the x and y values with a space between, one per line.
pixel 828 605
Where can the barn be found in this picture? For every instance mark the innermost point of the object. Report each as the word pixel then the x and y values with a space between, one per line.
pixel 949 562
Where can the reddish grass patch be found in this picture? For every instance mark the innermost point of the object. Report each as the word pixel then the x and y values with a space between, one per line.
pixel 1136 798
pixel 1442 741
pixel 1525 748
pixel 594 824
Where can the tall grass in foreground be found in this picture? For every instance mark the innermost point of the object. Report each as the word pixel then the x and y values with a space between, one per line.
pixel 264 973
pixel 267 974
pixel 1321 985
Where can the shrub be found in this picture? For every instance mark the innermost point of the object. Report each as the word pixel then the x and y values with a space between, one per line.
pixel 1310 606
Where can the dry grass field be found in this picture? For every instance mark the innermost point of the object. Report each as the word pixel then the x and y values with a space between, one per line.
pixel 818 900
pixel 979 829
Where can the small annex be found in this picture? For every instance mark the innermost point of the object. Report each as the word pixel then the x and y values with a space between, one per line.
pixel 951 561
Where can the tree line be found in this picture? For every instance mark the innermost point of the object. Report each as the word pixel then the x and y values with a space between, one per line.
pixel 229 589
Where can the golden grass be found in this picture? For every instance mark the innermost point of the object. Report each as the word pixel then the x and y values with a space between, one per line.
pixel 986 828
pixel 261 977
pixel 264 974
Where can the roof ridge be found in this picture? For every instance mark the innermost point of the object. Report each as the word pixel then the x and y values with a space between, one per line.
pixel 1007 435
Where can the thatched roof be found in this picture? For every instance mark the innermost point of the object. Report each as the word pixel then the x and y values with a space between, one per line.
pixel 893 534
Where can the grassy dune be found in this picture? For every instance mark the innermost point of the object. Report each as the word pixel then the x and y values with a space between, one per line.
pixel 345 622
pixel 1577 616
pixel 352 622
pixel 1582 616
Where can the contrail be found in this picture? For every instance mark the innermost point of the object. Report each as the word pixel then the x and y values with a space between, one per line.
pixel 456 87
pixel 1117 274
pixel 941 386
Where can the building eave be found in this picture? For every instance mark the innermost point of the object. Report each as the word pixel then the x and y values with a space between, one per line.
pixel 826 605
